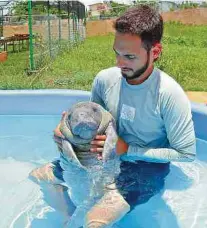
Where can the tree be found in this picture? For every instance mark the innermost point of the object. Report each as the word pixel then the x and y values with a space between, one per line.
pixel 117 9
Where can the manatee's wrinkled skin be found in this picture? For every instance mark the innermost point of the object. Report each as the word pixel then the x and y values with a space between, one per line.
pixel 82 123
pixel 90 181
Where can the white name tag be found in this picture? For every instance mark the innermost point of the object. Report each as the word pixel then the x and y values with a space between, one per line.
pixel 127 113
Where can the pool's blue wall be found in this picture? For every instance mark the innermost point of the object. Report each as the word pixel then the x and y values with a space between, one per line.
pixel 53 102
pixel 39 102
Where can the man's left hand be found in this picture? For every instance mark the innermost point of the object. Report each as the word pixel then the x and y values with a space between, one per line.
pixel 121 146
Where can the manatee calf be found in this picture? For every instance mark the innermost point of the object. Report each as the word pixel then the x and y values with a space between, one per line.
pixel 91 182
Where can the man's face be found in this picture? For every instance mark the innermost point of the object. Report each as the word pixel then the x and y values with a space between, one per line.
pixel 131 57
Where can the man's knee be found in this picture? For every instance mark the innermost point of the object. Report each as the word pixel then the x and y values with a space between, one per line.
pixel 95 224
pixel 46 174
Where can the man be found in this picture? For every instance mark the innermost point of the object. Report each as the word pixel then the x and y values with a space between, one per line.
pixel 152 112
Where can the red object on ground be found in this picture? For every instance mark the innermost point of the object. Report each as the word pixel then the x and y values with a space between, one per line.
pixel 3 56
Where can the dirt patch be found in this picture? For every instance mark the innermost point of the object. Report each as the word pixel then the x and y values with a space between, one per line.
pixel 97 28
pixel 188 16
pixel 67 30
pixel 103 27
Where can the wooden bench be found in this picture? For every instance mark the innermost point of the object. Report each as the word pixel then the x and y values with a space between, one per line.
pixel 15 40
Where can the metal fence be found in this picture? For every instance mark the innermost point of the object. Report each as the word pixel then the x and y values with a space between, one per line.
pixel 59 28
pixel 51 26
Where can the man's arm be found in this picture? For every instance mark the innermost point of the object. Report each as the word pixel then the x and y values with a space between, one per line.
pixel 97 144
pixel 176 114
pixel 96 93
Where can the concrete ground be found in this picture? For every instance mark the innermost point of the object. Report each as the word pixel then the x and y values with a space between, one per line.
pixel 200 97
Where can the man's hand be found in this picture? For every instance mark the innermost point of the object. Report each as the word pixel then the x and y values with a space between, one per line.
pixel 58 135
pixel 97 145
pixel 121 146
pixel 57 132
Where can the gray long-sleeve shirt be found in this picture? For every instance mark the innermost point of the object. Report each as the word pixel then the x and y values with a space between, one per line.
pixel 153 118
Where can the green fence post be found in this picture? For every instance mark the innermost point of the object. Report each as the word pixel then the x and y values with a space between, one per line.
pixel 59 22
pixel 49 31
pixel 31 50
pixel 74 18
pixel 1 22
pixel 68 9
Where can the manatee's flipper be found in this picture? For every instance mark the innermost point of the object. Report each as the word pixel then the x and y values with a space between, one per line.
pixel 111 165
pixel 49 173
pixel 110 143
pixel 111 208
pixel 69 153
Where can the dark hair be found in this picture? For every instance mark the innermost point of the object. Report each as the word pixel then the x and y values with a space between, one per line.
pixel 144 21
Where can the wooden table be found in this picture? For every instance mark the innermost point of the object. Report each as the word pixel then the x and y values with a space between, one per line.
pixel 15 40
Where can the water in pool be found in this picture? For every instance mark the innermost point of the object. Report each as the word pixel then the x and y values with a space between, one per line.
pixel 26 142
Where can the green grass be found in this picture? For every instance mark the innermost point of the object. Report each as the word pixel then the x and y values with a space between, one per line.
pixel 184 58
pixel 185 55
pixel 12 75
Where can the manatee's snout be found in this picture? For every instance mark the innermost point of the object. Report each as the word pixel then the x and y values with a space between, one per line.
pixel 84 125
pixel 84 120
pixel 85 130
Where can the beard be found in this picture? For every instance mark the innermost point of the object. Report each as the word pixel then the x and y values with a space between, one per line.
pixel 138 72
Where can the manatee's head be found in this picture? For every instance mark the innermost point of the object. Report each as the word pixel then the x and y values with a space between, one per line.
pixel 84 119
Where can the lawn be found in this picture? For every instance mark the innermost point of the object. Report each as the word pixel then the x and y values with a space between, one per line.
pixel 184 58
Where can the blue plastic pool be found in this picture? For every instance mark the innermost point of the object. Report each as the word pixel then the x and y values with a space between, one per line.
pixel 27 119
